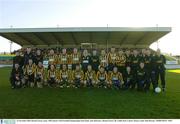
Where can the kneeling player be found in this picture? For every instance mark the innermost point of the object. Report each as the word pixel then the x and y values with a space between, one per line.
pixel 64 77
pixel 128 78
pixel 90 77
pixel 39 75
pixel 78 76
pixel 16 76
pixel 29 73
pixel 102 77
pixel 52 76
pixel 141 77
pixel 115 79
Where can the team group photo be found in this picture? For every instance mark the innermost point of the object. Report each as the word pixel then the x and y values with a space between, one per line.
pixel 119 68
pixel 89 61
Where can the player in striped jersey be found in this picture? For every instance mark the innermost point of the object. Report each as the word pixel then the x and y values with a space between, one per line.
pixel 39 75
pixel 29 73
pixel 90 77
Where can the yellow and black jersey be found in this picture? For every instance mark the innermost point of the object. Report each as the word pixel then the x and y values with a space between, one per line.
pixel 112 57
pixel 40 71
pixel 52 59
pixel 30 69
pixel 115 76
pixel 63 59
pixel 52 74
pixel 78 74
pixel 120 60
pixel 70 74
pixel 103 59
pixel 90 75
pixel 75 58
pixel 102 76
pixel 63 74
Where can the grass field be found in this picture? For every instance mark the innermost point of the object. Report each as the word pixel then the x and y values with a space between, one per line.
pixel 88 103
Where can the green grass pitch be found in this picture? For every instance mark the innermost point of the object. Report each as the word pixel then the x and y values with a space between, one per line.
pixel 88 103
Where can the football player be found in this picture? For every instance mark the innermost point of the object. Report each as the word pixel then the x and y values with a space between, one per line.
pixel 78 77
pixel 16 76
pixel 85 60
pixel 94 61
pixel 103 59
pixel 29 73
pixel 52 58
pixel 121 62
pixel 52 76
pixel 63 58
pixel 102 77
pixel 39 75
pixel 128 78
pixel 111 59
pixel 75 58
pixel 160 69
pixel 90 77
pixel 64 77
pixel 141 77
pixel 115 79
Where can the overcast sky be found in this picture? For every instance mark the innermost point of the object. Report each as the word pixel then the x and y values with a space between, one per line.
pixel 95 13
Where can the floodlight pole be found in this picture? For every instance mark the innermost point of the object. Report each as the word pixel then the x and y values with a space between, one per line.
pixel 107 40
pixel 10 50
pixel 157 28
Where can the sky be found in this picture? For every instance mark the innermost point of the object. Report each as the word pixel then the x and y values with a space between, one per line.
pixel 93 13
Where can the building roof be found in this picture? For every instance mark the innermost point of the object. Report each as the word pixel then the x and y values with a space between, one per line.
pixel 76 35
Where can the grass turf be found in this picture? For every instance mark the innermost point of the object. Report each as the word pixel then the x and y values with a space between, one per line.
pixel 88 103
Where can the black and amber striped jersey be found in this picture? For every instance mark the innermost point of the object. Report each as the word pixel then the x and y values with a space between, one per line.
pixel 115 76
pixel 112 57
pixel 102 76
pixel 78 74
pixel 30 69
pixel 63 59
pixel 40 71
pixel 90 75
pixel 103 59
pixel 75 58
pixel 52 74
pixel 120 60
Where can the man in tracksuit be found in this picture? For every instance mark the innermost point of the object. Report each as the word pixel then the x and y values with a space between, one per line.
pixel 160 60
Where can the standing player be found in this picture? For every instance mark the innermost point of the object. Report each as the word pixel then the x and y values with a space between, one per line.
pixel 39 75
pixel 102 77
pixel 115 79
pixel 160 60
pixel 28 55
pixel 85 60
pixel 18 59
pixel 75 58
pixel 38 57
pixel 135 66
pixel 121 62
pixel 29 73
pixel 128 58
pixel 94 60
pixel 90 77
pixel 52 58
pixel 63 58
pixel 149 66
pixel 78 77
pixel 111 59
pixel 103 59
